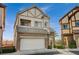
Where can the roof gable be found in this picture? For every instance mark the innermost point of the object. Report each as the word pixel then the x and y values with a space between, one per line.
pixel 33 12
pixel 2 5
pixel 70 13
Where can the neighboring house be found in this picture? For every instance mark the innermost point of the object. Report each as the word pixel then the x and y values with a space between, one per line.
pixel 58 42
pixel 2 22
pixel 52 38
pixel 70 27
pixel 31 29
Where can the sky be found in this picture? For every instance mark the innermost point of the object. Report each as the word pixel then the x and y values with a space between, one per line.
pixel 54 10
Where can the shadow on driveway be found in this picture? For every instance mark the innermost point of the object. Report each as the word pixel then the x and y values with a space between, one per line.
pixel 49 53
pixel 75 52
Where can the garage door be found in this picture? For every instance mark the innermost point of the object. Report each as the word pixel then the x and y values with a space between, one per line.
pixel 31 44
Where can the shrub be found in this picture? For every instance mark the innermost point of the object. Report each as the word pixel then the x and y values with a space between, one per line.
pixel 50 47
pixel 8 49
pixel 72 44
pixel 59 46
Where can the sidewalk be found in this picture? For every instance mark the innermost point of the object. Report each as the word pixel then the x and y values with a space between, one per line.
pixel 65 52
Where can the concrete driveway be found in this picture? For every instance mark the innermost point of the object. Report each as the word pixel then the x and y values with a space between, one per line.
pixel 35 52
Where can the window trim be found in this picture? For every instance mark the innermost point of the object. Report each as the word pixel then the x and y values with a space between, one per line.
pixel 22 20
pixel 75 23
pixel 46 24
pixel 65 28
pixel 38 24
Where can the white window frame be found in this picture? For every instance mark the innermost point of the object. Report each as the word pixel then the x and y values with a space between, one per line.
pixel 38 25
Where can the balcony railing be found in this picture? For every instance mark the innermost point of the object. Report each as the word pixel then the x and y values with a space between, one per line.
pixel 75 31
pixel 30 30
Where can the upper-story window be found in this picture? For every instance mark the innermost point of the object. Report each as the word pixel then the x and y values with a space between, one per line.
pixel 46 24
pixel 0 17
pixel 65 26
pixel 38 24
pixel 25 22
pixel 77 23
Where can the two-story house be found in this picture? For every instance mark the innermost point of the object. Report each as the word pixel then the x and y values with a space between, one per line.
pixel 31 29
pixel 2 22
pixel 70 27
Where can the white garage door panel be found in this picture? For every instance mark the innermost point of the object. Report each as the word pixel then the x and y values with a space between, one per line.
pixel 30 44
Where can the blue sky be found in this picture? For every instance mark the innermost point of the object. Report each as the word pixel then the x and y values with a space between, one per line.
pixel 54 10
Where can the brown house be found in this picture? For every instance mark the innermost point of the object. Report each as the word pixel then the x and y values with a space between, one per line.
pixel 2 22
pixel 70 27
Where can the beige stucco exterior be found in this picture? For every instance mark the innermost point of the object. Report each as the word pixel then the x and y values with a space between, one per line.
pixel 65 20
pixel 65 31
pixel 2 22
pixel 32 15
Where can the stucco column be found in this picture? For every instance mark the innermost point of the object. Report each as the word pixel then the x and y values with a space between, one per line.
pixel 66 42
pixel 76 38
pixel 53 42
pixel 47 41
pixel 18 43
pixel 1 37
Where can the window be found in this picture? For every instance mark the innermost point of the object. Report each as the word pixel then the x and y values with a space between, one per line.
pixel 77 23
pixel 46 24
pixel 65 26
pixel 25 22
pixel 0 17
pixel 38 24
